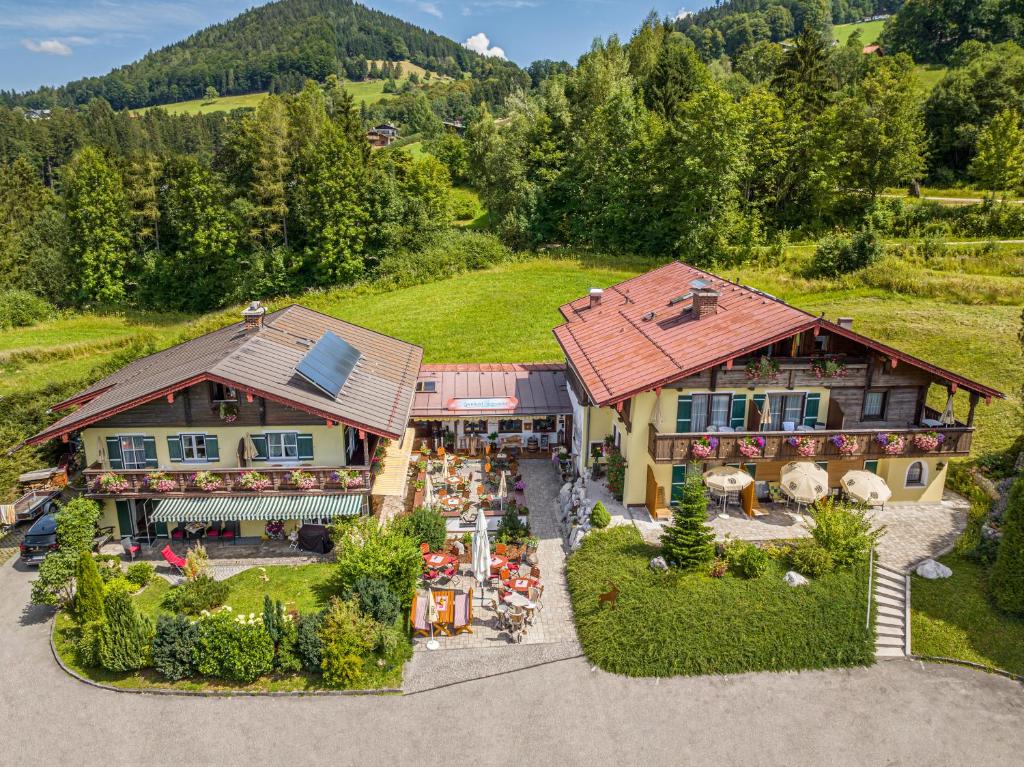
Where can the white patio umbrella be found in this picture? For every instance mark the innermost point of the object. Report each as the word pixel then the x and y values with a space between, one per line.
pixel 432 617
pixel 428 492
pixel 866 486
pixel 481 552
pixel 947 414
pixel 727 479
pixel 803 481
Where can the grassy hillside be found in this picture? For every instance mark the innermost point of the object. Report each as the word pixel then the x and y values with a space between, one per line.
pixel 870 31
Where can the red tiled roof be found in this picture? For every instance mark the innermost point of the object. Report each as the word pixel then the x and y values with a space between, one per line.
pixel 539 389
pixel 635 340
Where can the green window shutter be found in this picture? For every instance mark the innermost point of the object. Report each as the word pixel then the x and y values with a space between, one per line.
pixel 739 412
pixel 149 443
pixel 305 445
pixel 114 453
pixel 871 466
pixel 684 412
pixel 174 448
pixel 811 403
pixel 124 518
pixel 751 469
pixel 259 441
pixel 212 448
pixel 678 480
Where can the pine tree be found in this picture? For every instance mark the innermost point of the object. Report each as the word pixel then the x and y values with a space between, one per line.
pixel 1007 580
pixel 688 543
pixel 88 590
pixel 126 637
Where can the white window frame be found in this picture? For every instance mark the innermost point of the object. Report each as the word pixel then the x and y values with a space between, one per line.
pixel 282 434
pixel 134 450
pixel 924 475
pixel 191 441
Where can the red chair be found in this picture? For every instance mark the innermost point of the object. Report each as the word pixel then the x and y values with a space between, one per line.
pixel 173 559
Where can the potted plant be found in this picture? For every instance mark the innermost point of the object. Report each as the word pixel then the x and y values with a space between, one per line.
pixel 929 440
pixel 804 446
pixel 207 480
pixel 304 480
pixel 160 482
pixel 228 412
pixel 828 367
pixel 892 444
pixel 253 480
pixel 109 482
pixel 762 369
pixel 751 447
pixel 704 447
pixel 845 444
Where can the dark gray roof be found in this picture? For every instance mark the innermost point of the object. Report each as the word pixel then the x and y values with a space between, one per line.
pixel 376 396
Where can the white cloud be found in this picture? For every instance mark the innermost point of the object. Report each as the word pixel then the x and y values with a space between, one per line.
pixel 430 8
pixel 51 47
pixel 482 45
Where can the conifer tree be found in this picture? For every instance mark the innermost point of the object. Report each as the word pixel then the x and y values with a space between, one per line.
pixel 688 543
pixel 125 640
pixel 88 590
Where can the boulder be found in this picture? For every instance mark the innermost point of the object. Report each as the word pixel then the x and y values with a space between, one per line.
pixel 933 570
pixel 659 564
pixel 793 578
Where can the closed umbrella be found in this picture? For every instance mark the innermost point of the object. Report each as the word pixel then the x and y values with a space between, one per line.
pixel 481 553
pixel 803 481
pixel 727 479
pixel 432 617
pixel 866 486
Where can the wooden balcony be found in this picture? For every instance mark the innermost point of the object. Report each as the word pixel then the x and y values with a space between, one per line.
pixel 329 481
pixel 676 448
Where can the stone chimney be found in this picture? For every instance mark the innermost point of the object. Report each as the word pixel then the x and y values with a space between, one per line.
pixel 595 297
pixel 253 316
pixel 705 303
pixel 845 322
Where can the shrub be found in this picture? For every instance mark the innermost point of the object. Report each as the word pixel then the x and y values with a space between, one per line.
pixel 599 516
pixel 308 645
pixel 174 647
pixel 19 308
pixel 688 543
pixel 376 600
pixel 88 591
pixel 348 639
pixel 237 648
pixel 1006 583
pixel 427 526
pixel 511 529
pixel 365 549
pixel 140 574
pixel 125 637
pixel 87 646
pixel 844 530
pixel 811 559
pixel 192 597
pixel 747 560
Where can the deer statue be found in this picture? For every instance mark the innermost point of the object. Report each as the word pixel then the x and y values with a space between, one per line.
pixel 610 597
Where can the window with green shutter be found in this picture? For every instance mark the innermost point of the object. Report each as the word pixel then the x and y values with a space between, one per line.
pixel 739 412
pixel 811 404
pixel 684 410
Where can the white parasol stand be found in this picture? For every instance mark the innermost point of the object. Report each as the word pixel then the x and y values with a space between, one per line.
pixel 432 618
pixel 481 553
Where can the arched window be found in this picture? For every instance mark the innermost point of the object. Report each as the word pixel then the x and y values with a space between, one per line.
pixel 915 474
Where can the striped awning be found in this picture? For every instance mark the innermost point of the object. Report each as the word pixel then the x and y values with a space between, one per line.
pixel 240 508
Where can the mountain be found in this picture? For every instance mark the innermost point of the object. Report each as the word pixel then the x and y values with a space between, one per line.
pixel 274 47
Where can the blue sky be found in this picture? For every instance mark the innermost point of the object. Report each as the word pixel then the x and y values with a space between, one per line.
pixel 53 41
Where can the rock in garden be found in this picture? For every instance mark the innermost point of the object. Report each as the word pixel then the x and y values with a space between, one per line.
pixel 659 563
pixel 794 578
pixel 933 570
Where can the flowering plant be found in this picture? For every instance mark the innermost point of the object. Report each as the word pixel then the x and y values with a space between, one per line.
pixel 845 444
pixel 704 446
pixel 892 444
pixel 302 479
pixel 228 412
pixel 113 483
pixel 929 440
pixel 253 480
pixel 751 447
pixel 828 367
pixel 207 480
pixel 804 446
pixel 159 482
pixel 764 368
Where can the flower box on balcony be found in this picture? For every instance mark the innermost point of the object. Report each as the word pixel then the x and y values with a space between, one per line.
pixel 929 440
pixel 804 446
pixel 751 447
pixel 704 447
pixel 892 444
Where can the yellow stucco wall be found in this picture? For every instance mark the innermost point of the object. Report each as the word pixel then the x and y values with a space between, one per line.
pixel 328 444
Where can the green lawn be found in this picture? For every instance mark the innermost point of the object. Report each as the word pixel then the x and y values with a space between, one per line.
pixel 870 31
pixel 952 618
pixel 670 624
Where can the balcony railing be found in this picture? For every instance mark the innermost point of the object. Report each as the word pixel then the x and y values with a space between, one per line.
pixel 329 480
pixel 677 448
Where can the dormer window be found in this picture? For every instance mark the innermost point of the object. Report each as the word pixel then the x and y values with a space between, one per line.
pixel 223 393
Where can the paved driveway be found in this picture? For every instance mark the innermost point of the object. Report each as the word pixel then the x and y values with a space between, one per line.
pixel 563 713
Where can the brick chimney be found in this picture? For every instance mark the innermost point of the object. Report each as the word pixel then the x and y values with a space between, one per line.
pixel 253 316
pixel 845 322
pixel 595 297
pixel 705 303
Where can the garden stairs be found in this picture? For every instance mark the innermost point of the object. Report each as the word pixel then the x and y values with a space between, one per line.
pixel 892 613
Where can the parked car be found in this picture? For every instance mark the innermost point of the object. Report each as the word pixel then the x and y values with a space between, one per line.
pixel 40 540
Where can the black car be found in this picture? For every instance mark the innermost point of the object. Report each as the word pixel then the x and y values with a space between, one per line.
pixel 40 540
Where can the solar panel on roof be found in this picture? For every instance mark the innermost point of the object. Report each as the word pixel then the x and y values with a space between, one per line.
pixel 329 363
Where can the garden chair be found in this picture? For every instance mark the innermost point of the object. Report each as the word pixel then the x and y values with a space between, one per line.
pixel 173 559
pixel 131 548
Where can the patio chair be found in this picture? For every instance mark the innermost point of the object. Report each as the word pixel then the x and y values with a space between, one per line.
pixel 173 559
pixel 418 617
pixel 131 548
